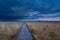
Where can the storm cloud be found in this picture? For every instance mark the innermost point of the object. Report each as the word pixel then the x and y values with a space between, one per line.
pixel 29 9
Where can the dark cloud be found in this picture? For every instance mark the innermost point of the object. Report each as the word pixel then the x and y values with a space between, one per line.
pixel 26 9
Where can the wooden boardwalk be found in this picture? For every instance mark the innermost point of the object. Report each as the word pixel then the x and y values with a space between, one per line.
pixel 24 34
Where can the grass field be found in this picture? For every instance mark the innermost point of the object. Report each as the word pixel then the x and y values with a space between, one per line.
pixel 40 30
pixel 45 30
pixel 9 29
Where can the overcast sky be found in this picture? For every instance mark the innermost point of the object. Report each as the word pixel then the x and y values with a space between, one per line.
pixel 45 10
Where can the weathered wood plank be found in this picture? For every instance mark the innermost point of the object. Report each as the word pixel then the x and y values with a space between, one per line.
pixel 24 34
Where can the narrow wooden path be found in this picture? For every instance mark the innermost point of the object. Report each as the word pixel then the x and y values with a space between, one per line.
pixel 24 34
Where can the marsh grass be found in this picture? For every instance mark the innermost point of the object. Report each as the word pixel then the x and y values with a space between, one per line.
pixel 45 30
pixel 8 30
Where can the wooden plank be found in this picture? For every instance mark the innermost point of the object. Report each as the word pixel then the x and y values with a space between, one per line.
pixel 24 34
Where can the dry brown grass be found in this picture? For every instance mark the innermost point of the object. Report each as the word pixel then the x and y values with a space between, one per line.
pixel 9 29
pixel 45 30
pixel 40 30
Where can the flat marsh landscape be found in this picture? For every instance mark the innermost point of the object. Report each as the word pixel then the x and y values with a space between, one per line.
pixel 45 30
pixel 9 29
pixel 40 30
